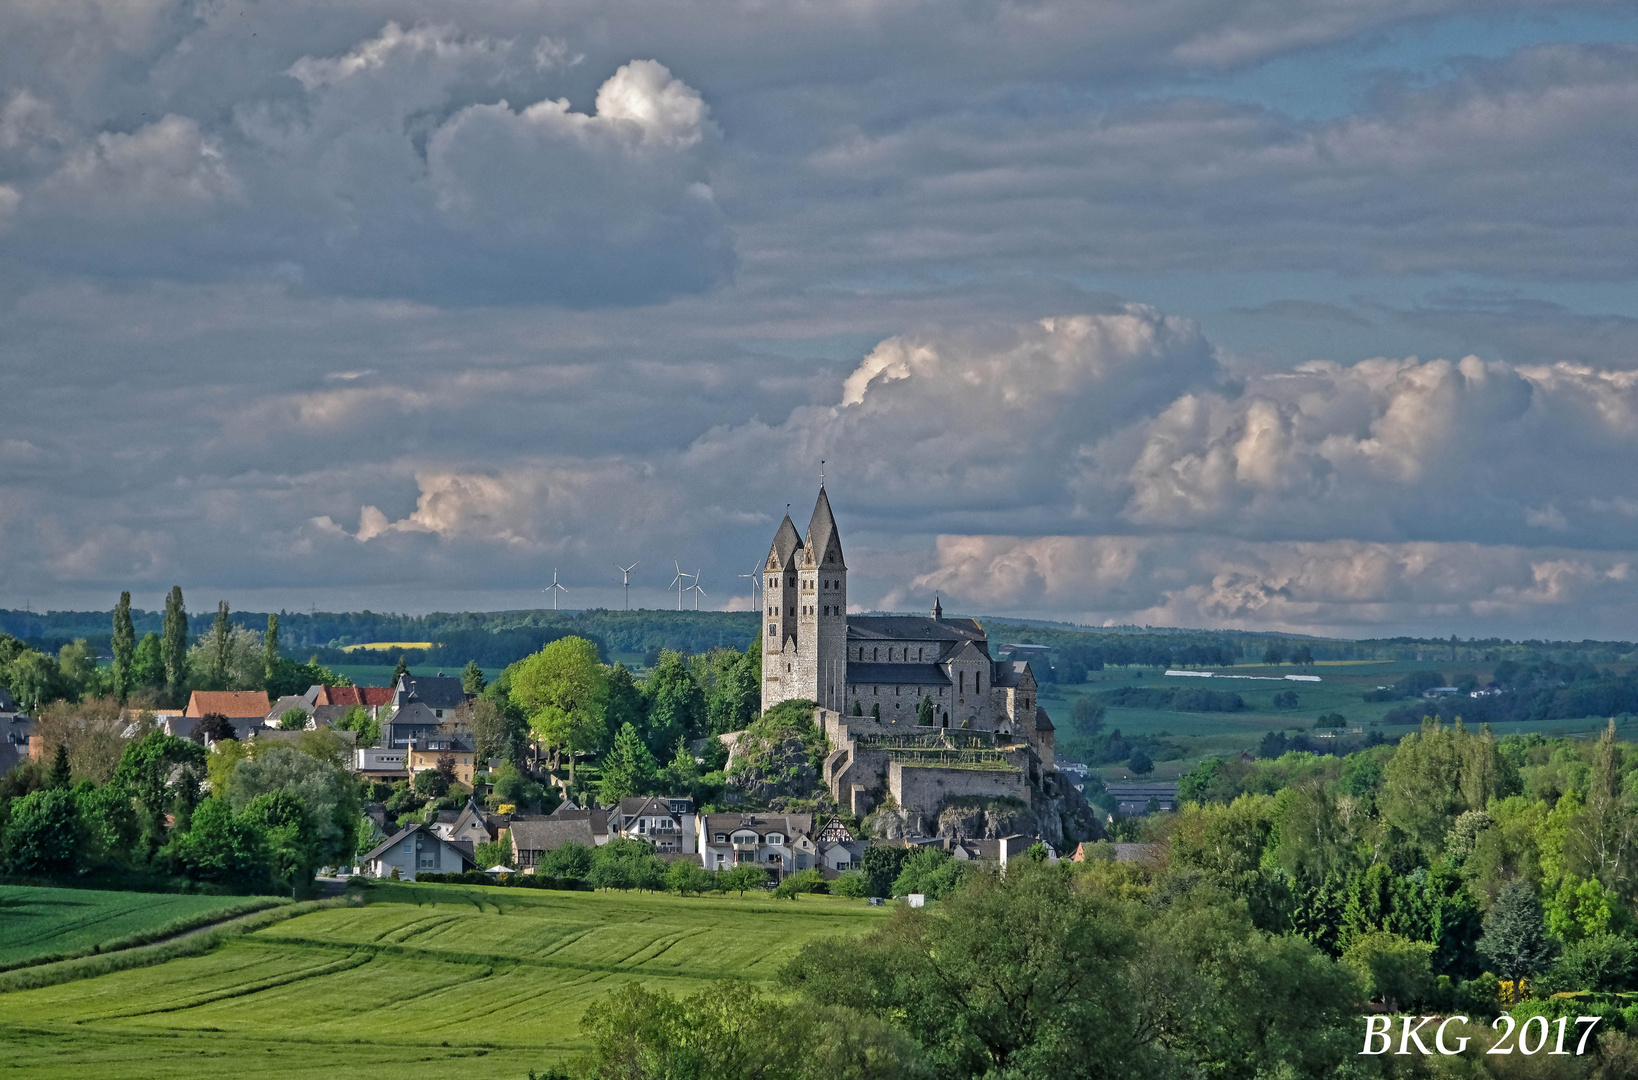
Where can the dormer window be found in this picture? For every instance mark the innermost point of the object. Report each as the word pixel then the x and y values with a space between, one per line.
pixel 720 838
pixel 774 839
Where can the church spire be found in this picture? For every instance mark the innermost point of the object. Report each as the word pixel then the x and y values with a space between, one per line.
pixel 824 544
pixel 938 609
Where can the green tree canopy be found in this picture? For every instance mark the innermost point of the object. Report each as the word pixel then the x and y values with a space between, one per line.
pixel 563 691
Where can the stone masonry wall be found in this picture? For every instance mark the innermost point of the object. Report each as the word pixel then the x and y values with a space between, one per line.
pixel 927 788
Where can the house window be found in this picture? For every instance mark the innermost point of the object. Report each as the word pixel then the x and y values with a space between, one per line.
pixel 720 838
pixel 774 839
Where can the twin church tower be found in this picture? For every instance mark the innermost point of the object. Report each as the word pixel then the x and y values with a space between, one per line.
pixel 881 666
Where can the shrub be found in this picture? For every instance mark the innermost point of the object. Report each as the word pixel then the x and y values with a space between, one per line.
pixel 851 884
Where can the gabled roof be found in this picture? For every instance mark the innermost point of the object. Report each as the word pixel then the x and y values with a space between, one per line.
pixel 824 541
pixel 761 824
pixel 598 816
pixel 896 674
pixel 288 702
pixel 232 704
pixel 912 628
pixel 415 714
pixel 551 833
pixel 1011 672
pixel 638 805
pixel 462 849
pixel 785 545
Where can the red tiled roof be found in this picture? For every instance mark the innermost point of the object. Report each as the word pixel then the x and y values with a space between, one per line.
pixel 356 695
pixel 233 704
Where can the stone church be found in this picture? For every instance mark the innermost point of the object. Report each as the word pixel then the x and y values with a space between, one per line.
pixel 882 666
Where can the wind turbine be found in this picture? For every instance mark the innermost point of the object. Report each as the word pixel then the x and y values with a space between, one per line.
pixel 696 590
pixel 625 579
pixel 756 581
pixel 678 582
pixel 554 588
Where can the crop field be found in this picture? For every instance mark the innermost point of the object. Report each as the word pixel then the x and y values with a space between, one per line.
pixel 422 982
pixel 38 923
pixel 1218 734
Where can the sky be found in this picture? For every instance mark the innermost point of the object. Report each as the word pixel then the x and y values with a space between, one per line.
pixel 1306 315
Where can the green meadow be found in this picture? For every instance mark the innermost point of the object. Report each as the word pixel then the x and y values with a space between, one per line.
pixel 419 982
pixel 38 924
pixel 1202 735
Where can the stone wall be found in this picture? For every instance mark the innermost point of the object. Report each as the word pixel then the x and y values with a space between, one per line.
pixel 926 788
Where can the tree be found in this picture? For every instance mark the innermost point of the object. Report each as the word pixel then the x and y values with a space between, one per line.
pixel 472 681
pixel 742 877
pixel 924 712
pixel 1273 655
pixel 161 772
pixel 358 719
pixel 676 705
pixel 292 836
pixel 222 847
pixel 627 769
pixel 174 643
pixel 42 835
pixel 563 692
pixel 219 649
pixel 881 866
pixel 1087 716
pixel 293 719
pixel 270 649
pixel 326 789
pixel 400 670
pixel 445 764
pixel 572 861
pixel 732 1031
pixel 1014 976
pixel 1515 933
pixel 213 727
pixel 123 644
pixel 1140 763
pixel 148 663
pixel 687 876
pixel 858 710
pixel 496 852
pixel 1398 971
pixel 625 704
pixel 930 871
pixel 431 784
pixel 851 884
pixel 61 775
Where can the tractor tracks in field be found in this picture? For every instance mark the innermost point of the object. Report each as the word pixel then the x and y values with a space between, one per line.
pixel 193 942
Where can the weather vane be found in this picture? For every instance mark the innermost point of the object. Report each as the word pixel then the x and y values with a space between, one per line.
pixel 821 472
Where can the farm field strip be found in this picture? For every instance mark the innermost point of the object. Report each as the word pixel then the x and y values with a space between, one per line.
pixel 41 923
pixel 425 981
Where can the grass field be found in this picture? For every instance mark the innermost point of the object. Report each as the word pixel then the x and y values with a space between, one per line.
pixel 40 923
pixel 1219 734
pixel 422 982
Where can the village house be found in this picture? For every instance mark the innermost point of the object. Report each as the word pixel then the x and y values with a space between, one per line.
pixel 765 840
pixel 667 822
pixel 533 838
pixel 836 848
pixel 416 849
pixel 471 824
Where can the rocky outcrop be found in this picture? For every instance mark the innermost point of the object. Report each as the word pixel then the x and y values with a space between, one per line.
pixel 990 819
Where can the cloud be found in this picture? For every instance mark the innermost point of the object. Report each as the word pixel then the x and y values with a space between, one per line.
pixel 399 169
pixel 953 422
pixel 1344 587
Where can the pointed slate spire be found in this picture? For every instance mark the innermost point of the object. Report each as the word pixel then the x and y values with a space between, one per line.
pixel 785 544
pixel 938 610
pixel 823 539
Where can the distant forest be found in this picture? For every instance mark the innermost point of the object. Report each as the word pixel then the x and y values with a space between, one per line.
pixel 497 638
